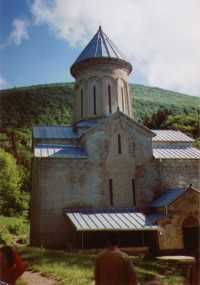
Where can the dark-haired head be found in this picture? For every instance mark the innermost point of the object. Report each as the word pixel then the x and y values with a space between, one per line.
pixel 8 254
pixel 112 240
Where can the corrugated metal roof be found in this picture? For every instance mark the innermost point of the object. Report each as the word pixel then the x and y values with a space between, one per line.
pixel 86 124
pixel 168 197
pixel 174 153
pixel 59 151
pixel 112 220
pixel 170 135
pixel 99 46
pixel 54 132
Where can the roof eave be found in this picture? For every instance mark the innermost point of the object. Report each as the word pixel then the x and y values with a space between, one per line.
pixel 77 67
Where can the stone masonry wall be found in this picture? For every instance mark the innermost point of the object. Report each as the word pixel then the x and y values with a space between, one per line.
pixel 179 173
pixel 58 184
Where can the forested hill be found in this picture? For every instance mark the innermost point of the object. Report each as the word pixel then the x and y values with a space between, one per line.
pixel 52 104
pixel 148 100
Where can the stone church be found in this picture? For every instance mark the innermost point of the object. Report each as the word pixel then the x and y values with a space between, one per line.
pixel 106 172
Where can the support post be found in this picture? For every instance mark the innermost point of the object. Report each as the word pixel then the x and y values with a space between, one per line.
pixel 82 240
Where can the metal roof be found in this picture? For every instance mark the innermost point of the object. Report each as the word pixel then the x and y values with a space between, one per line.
pixel 86 124
pixel 100 46
pixel 168 197
pixel 54 132
pixel 112 220
pixel 170 135
pixel 174 153
pixel 59 151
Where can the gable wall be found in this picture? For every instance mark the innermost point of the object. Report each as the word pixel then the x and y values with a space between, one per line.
pixel 135 162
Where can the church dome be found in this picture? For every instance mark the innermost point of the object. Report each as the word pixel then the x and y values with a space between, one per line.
pixel 101 49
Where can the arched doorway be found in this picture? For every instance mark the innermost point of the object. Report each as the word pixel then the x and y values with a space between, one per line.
pixel 191 230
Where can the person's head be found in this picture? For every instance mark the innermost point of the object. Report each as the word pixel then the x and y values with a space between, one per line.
pixel 7 255
pixel 112 240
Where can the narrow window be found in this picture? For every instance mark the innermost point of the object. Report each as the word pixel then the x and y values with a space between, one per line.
pixel 111 191
pixel 122 93
pixel 94 100
pixel 133 149
pixel 81 103
pixel 119 144
pixel 133 192
pixel 127 97
pixel 109 99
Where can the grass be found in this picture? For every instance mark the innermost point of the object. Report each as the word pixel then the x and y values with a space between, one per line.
pixel 77 268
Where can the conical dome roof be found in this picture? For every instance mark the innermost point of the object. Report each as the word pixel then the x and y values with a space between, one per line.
pixel 100 47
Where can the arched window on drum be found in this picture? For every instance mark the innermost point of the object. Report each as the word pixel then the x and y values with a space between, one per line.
pixel 81 103
pixel 94 100
pixel 122 98
pixel 109 99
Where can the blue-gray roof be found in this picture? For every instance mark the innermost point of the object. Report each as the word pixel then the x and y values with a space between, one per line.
pixel 112 220
pixel 176 153
pixel 167 198
pixel 54 132
pixel 170 136
pixel 59 151
pixel 86 124
pixel 100 46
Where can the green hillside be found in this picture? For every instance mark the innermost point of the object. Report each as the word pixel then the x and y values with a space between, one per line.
pixel 52 104
pixel 148 100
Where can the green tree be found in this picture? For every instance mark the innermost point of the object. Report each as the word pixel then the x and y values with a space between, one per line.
pixel 12 199
pixel 189 124
pixel 157 120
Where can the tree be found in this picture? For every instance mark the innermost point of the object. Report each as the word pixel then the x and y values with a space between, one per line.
pixel 157 120
pixel 189 124
pixel 12 199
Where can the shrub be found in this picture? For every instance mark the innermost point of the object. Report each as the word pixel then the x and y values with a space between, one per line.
pixel 13 230
pixel 12 200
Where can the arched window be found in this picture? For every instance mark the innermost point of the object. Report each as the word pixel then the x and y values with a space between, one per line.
pixel 133 149
pixel 94 101
pixel 133 192
pixel 81 103
pixel 111 191
pixel 119 144
pixel 127 100
pixel 109 99
pixel 122 94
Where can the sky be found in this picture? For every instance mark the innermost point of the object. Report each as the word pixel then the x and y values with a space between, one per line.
pixel 40 39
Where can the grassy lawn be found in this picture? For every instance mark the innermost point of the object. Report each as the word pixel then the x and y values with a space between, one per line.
pixel 77 268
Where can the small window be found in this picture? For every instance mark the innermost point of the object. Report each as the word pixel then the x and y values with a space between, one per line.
pixel 109 99
pixel 94 100
pixel 127 99
pixel 119 144
pixel 111 191
pixel 133 149
pixel 133 192
pixel 81 103
pixel 122 93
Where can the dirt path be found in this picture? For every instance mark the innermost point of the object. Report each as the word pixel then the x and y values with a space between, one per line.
pixel 33 278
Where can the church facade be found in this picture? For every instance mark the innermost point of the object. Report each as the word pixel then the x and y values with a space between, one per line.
pixel 107 172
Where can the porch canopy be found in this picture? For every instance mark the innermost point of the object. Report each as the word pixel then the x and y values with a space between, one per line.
pixel 88 220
